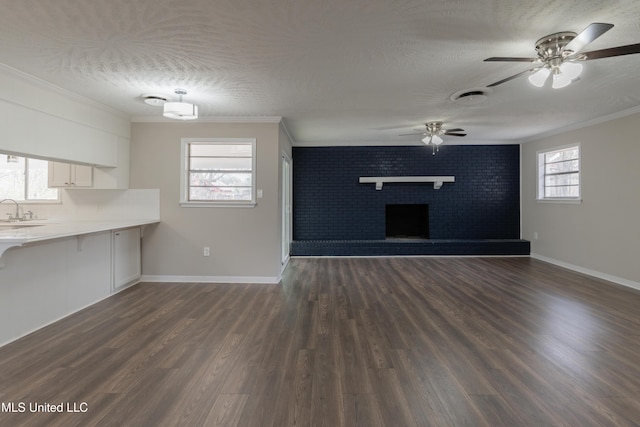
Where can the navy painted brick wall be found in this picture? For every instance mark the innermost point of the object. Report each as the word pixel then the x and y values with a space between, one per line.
pixel 330 204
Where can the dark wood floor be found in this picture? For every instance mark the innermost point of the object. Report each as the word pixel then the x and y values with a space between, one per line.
pixel 343 342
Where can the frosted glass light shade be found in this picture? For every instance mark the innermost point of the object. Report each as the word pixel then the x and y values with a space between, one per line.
pixel 571 70
pixel 539 77
pixel 565 74
pixel 560 80
pixel 432 139
pixel 180 110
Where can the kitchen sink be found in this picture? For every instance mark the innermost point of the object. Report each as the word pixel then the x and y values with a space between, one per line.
pixel 14 225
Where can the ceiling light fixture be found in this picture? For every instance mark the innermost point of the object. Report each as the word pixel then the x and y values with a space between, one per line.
pixel 433 134
pixel 557 61
pixel 563 75
pixel 180 110
pixel 433 138
pixel 539 77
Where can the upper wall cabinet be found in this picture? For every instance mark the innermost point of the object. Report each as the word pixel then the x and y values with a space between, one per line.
pixel 118 177
pixel 68 175
pixel 42 122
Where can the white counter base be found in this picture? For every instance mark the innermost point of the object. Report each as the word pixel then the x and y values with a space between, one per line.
pixel 46 279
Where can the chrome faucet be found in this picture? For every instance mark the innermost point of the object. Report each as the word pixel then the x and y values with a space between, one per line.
pixel 17 217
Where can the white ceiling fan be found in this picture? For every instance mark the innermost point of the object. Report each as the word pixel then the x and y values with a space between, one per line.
pixel 433 134
pixel 560 54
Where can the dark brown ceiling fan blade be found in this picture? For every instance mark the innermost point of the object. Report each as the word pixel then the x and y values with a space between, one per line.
pixel 613 51
pixel 586 36
pixel 515 76
pixel 455 134
pixel 509 59
pixel 453 130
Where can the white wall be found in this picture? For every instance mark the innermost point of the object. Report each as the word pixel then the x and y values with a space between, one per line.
pixel 88 204
pixel 601 235
pixel 244 242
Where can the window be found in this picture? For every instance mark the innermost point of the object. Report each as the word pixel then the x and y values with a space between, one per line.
pixel 25 180
pixel 218 172
pixel 559 174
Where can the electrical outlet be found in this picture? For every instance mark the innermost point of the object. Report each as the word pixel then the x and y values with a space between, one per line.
pixel 206 251
pixel 535 235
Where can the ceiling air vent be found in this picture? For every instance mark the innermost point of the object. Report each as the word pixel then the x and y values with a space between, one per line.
pixel 471 96
pixel 155 100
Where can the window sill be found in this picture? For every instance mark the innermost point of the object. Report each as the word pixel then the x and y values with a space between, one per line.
pixel 565 201
pixel 218 204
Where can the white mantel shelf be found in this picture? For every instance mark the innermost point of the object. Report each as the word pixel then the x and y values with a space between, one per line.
pixel 380 180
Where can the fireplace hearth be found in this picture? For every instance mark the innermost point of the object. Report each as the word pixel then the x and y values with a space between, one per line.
pixel 407 221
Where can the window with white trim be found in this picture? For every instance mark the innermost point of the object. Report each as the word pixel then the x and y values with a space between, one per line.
pixel 218 172
pixel 25 180
pixel 559 174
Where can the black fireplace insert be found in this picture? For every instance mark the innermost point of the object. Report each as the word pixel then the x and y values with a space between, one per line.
pixel 407 221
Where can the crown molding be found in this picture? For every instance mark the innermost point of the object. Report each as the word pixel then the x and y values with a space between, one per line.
pixel 581 125
pixel 284 127
pixel 217 119
pixel 394 143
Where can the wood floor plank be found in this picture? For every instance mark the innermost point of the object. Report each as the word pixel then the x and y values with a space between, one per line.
pixel 226 410
pixel 362 410
pixel 299 409
pixel 328 387
pixel 391 398
pixel 424 341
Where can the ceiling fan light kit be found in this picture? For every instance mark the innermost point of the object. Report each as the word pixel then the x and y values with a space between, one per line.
pixel 563 75
pixel 571 70
pixel 433 135
pixel 539 77
pixel 180 110
pixel 433 139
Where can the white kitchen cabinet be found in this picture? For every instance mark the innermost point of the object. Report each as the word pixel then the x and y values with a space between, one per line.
pixel 114 178
pixel 69 175
pixel 125 257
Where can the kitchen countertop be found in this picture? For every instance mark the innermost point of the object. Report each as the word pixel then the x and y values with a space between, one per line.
pixel 39 230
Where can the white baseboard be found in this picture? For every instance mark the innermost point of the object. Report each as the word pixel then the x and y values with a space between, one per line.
pixel 600 275
pixel 211 279
pixel 284 265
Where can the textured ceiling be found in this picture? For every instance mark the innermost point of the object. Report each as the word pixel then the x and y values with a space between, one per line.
pixel 337 71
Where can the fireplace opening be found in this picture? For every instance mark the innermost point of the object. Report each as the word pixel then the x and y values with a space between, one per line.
pixel 407 221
